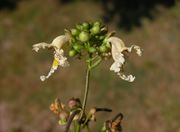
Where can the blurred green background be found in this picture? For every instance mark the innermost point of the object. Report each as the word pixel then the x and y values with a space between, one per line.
pixel 150 104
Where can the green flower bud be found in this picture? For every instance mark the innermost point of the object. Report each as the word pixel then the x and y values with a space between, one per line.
pixel 77 47
pixel 63 117
pixel 62 122
pixel 103 129
pixel 103 49
pixel 101 37
pixel 79 27
pixel 95 29
pixel 85 25
pixel 72 53
pixel 97 23
pixel 74 32
pixel 108 45
pixel 84 36
pixel 91 49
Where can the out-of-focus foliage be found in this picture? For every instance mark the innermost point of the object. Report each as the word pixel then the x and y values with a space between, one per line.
pixel 128 13
pixel 8 4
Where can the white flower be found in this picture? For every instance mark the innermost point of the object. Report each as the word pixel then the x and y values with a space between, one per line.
pixel 59 58
pixel 117 49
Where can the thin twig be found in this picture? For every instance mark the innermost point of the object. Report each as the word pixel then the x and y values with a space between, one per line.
pixel 103 109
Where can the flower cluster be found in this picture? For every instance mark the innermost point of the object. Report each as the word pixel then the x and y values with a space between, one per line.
pixel 72 112
pixel 92 39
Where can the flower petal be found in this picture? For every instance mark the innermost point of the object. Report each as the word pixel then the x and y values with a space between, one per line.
pixel 59 59
pixel 129 78
pixel 59 41
pixel 38 46
pixel 137 48
pixel 116 66
pixel 52 70
pixel 118 47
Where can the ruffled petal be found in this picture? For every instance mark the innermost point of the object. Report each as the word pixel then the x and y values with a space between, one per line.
pixel 136 48
pixel 118 47
pixel 129 78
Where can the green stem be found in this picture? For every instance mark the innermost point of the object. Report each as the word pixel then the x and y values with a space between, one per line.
pixel 96 63
pixel 87 129
pixel 86 91
pixel 77 127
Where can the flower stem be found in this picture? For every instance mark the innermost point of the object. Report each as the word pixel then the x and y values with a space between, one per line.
pixel 77 127
pixel 90 66
pixel 74 113
pixel 86 91
pixel 87 129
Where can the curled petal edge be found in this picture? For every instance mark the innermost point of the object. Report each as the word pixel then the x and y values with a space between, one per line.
pixel 38 46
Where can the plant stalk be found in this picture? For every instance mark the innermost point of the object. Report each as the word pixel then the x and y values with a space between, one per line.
pixel 86 92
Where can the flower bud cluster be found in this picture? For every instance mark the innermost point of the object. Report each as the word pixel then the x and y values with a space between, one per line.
pixel 58 108
pixel 89 37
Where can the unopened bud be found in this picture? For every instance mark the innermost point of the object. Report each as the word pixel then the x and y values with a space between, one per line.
pixel 77 47
pixel 85 25
pixel 53 108
pixel 97 23
pixel 108 45
pixel 63 117
pixel 103 49
pixel 91 49
pixel 74 32
pixel 79 27
pixel 72 53
pixel 84 36
pixel 92 111
pixel 95 29
pixel 74 103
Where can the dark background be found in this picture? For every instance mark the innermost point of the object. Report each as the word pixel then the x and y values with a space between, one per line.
pixel 149 104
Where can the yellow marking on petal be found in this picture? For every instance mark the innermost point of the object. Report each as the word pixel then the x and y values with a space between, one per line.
pixel 55 63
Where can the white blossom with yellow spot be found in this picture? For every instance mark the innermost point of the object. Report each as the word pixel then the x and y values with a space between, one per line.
pixel 59 58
